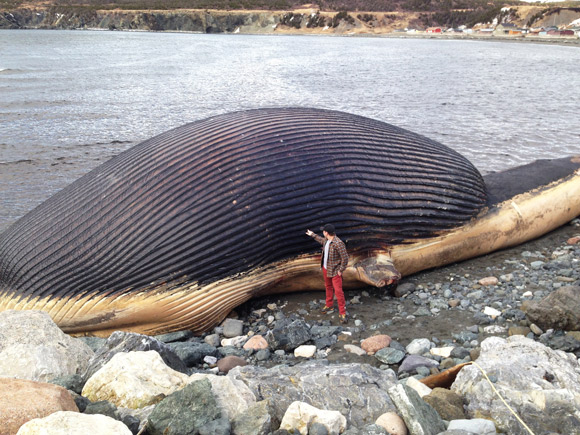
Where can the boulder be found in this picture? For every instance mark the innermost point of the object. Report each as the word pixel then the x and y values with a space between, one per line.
pixel 393 424
pixel 23 400
pixel 559 310
pixel 289 334
pixel 134 380
pixel 33 347
pixel 375 343
pixel 232 396
pixel 255 420
pixel 301 416
pixel 359 391
pixel 67 422
pixel 420 418
pixel 119 342
pixel 187 411
pixel 192 353
pixel 448 404
pixel 540 384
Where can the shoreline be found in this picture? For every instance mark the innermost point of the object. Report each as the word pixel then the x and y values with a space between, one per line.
pixel 392 35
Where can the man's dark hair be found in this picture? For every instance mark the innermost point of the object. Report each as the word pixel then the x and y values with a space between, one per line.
pixel 329 228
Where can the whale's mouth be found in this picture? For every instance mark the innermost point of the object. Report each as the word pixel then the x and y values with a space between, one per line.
pixel 378 271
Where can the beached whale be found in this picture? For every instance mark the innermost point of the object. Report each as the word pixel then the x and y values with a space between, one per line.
pixel 178 230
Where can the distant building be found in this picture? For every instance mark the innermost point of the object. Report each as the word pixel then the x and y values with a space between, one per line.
pixel 434 30
pixel 560 33
pixel 504 29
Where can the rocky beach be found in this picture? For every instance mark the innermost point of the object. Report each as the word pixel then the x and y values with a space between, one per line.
pixel 277 365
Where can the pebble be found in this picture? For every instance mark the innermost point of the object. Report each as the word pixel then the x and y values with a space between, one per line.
pixel 490 280
pixel 351 348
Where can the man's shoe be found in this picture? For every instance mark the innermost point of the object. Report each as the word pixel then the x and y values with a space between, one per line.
pixel 327 310
pixel 342 319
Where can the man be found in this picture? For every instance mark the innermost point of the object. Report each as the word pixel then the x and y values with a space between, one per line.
pixel 334 261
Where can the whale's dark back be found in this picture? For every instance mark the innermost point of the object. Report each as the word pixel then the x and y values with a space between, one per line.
pixel 226 194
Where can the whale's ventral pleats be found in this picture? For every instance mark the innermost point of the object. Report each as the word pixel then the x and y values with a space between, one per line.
pixel 223 195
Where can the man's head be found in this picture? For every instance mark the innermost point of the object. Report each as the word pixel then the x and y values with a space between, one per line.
pixel 328 230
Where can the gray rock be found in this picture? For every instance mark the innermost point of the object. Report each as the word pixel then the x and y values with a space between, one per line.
pixel 120 341
pixel 439 304
pixel 465 336
pixel 358 390
pixel 561 341
pixel 80 401
pixel 410 364
pixel 93 342
pixel 324 342
pixel 535 265
pixel 221 426
pixel 103 407
pixel 131 422
pixel 420 418
pixel 212 340
pixel 373 429
pixel 459 352
pixel 559 310
pixel 405 288
pixel 233 328
pixel 388 355
pixel 396 345
pixel 537 382
pixel 456 432
pixel 289 334
pixel 185 411
pixel 418 346
pixel 478 294
pixel 263 355
pixel 256 420
pixel 174 336
pixel 422 312
pixel 324 331
pixel 192 353
pixel 70 382
pixel 231 351
pixel 33 347
pixel 317 429
pixel 475 425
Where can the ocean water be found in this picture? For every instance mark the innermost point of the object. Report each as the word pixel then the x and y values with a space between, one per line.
pixel 70 100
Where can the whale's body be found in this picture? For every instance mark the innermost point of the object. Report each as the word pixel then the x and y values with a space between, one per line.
pixel 175 232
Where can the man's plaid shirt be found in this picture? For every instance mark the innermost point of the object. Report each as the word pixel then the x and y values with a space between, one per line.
pixel 337 255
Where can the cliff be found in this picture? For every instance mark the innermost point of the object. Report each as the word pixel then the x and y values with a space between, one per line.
pixel 201 21
pixel 302 21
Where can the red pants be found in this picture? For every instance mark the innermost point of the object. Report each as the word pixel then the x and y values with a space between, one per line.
pixel 334 286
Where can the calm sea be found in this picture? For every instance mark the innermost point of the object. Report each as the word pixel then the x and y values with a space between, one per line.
pixel 70 100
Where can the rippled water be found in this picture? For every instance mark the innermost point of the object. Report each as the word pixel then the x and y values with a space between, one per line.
pixel 70 100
